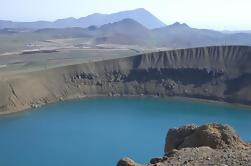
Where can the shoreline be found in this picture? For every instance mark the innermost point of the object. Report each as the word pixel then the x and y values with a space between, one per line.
pixel 161 74
pixel 180 98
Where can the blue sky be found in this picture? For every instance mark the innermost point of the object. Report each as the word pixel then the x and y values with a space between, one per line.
pixel 212 14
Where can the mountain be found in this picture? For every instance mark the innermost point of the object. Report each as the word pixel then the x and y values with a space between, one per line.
pixel 180 35
pixel 140 15
pixel 126 31
pixel 131 32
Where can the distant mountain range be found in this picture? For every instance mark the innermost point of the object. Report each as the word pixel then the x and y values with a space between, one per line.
pixel 135 27
pixel 181 35
pixel 247 31
pixel 140 15
pixel 131 32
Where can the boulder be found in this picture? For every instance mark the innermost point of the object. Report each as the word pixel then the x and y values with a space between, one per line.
pixel 126 162
pixel 216 136
pixel 175 136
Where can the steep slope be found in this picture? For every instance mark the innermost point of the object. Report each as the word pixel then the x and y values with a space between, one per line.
pixel 141 15
pixel 216 73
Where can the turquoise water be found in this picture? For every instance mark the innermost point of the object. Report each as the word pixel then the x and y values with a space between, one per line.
pixel 100 131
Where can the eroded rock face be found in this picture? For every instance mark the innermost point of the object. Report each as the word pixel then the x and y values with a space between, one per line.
pixel 216 73
pixel 216 136
pixel 175 137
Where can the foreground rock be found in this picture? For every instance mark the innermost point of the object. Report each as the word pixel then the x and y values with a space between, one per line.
pixel 213 135
pixel 127 162
pixel 212 144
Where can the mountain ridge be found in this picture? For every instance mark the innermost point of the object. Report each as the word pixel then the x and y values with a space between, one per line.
pixel 177 35
pixel 141 15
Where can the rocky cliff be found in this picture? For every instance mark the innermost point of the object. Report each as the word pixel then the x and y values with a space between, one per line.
pixel 212 144
pixel 217 73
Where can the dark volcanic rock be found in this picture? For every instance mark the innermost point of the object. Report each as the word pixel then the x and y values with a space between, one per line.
pixel 155 160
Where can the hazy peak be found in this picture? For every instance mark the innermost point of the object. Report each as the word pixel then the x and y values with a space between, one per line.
pixel 178 24
pixel 125 23
pixel 128 21
pixel 141 15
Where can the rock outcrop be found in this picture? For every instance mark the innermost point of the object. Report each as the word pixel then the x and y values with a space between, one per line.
pixel 212 144
pixel 127 162
pixel 213 135
pixel 220 73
